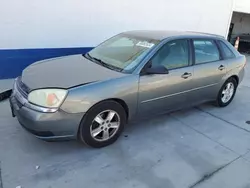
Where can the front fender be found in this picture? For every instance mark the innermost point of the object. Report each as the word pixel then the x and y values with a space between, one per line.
pixel 82 98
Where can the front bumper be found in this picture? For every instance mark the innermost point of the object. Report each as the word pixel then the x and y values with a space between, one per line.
pixel 47 126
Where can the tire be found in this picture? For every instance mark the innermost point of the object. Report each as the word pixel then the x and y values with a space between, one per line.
pixel 90 123
pixel 220 101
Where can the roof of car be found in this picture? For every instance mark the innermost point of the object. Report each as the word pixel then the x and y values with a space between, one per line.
pixel 160 35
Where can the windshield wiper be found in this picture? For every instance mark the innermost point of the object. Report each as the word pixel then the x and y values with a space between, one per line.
pixel 99 61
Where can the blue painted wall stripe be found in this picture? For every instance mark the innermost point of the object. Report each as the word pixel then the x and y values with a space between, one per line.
pixel 12 62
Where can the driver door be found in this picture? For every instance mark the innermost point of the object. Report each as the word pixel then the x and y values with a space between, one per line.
pixel 165 92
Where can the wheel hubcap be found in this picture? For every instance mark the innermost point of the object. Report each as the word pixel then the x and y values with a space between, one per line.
pixel 105 125
pixel 227 92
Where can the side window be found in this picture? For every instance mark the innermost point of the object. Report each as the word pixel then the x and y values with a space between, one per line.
pixel 205 51
pixel 172 55
pixel 227 53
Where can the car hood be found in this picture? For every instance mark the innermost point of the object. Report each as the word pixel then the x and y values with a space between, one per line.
pixel 66 72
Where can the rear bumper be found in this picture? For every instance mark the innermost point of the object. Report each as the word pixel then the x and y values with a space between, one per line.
pixel 47 126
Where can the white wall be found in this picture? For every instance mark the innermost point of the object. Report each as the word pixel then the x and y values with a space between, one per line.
pixel 241 23
pixel 82 23
pixel 242 6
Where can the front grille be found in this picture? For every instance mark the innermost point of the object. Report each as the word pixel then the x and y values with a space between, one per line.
pixel 22 88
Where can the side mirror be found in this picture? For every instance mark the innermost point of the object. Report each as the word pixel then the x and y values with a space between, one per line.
pixel 159 69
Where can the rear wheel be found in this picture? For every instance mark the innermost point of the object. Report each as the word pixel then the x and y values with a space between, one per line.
pixel 103 124
pixel 227 92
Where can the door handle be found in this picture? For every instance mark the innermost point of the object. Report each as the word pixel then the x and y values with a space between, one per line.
pixel 186 75
pixel 222 67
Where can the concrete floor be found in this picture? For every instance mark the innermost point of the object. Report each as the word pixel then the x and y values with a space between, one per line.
pixel 6 84
pixel 201 147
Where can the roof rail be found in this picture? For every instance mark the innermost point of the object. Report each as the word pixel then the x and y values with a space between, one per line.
pixel 220 36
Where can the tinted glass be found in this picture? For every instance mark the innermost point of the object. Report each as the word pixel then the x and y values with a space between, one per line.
pixel 227 53
pixel 205 51
pixel 172 55
pixel 123 51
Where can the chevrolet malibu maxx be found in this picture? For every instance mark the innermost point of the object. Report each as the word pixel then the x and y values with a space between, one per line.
pixel 91 97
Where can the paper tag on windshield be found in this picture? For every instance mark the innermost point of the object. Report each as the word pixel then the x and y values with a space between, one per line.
pixel 145 44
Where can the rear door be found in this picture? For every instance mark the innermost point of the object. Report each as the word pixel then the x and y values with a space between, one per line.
pixel 209 69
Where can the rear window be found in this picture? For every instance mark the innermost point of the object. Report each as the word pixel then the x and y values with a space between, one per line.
pixel 227 53
pixel 205 51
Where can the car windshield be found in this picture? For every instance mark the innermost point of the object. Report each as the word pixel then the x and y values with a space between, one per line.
pixel 122 52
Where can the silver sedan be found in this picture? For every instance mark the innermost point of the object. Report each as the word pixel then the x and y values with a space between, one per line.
pixel 134 74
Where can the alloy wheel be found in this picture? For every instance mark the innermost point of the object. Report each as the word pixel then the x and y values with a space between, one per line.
pixel 227 92
pixel 105 125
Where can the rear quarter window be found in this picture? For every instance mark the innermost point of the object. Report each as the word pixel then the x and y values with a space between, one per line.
pixel 226 52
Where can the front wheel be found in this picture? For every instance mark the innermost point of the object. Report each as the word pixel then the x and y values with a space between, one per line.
pixel 102 124
pixel 227 92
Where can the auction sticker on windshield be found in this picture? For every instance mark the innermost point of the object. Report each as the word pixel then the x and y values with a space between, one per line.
pixel 145 44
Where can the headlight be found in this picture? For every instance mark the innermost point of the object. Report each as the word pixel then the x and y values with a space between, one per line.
pixel 50 98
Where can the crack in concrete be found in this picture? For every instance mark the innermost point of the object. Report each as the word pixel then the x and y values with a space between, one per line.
pixel 245 86
pixel 1 181
pixel 211 174
pixel 244 156
pixel 222 119
pixel 206 136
